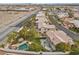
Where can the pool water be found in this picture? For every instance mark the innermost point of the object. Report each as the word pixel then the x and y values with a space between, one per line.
pixel 23 47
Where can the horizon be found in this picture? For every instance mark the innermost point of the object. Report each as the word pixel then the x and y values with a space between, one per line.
pixel 38 1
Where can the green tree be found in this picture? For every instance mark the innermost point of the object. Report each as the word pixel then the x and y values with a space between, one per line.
pixel 75 48
pixel 2 46
pixel 23 33
pixel 28 33
pixel 58 8
pixel 11 37
pixel 76 52
pixel 63 47
pixel 28 24
pixel 70 13
pixel 36 47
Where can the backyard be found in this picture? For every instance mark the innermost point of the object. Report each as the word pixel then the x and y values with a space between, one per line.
pixel 27 38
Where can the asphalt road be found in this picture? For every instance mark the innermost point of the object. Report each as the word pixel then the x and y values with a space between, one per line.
pixel 14 26
pixel 68 32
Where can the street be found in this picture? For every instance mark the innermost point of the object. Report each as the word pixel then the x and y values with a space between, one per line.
pixel 71 34
pixel 4 31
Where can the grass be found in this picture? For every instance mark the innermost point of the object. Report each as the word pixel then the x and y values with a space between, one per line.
pixel 36 44
pixel 31 36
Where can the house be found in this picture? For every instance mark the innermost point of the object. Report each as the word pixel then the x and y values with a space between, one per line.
pixel 75 22
pixel 76 14
pixel 67 19
pixel 68 25
pixel 66 22
pixel 43 23
pixel 75 10
pixel 58 36
pixel 62 14
pixel 43 27
pixel 44 9
pixel 24 9
pixel 40 15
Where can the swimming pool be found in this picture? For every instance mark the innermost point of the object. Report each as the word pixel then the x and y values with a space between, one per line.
pixel 23 47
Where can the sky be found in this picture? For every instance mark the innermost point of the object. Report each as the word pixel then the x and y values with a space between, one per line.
pixel 39 1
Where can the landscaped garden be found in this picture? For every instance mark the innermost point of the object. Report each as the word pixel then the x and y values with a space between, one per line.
pixel 72 49
pixel 27 39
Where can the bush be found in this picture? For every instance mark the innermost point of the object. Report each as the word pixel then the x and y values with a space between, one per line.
pixel 36 47
pixel 74 29
pixel 74 52
pixel 2 46
pixel 75 48
pixel 63 47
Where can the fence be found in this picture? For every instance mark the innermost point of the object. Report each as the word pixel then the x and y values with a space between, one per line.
pixel 32 52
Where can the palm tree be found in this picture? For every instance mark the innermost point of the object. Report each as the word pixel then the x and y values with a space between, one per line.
pixel 11 37
pixel 24 33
